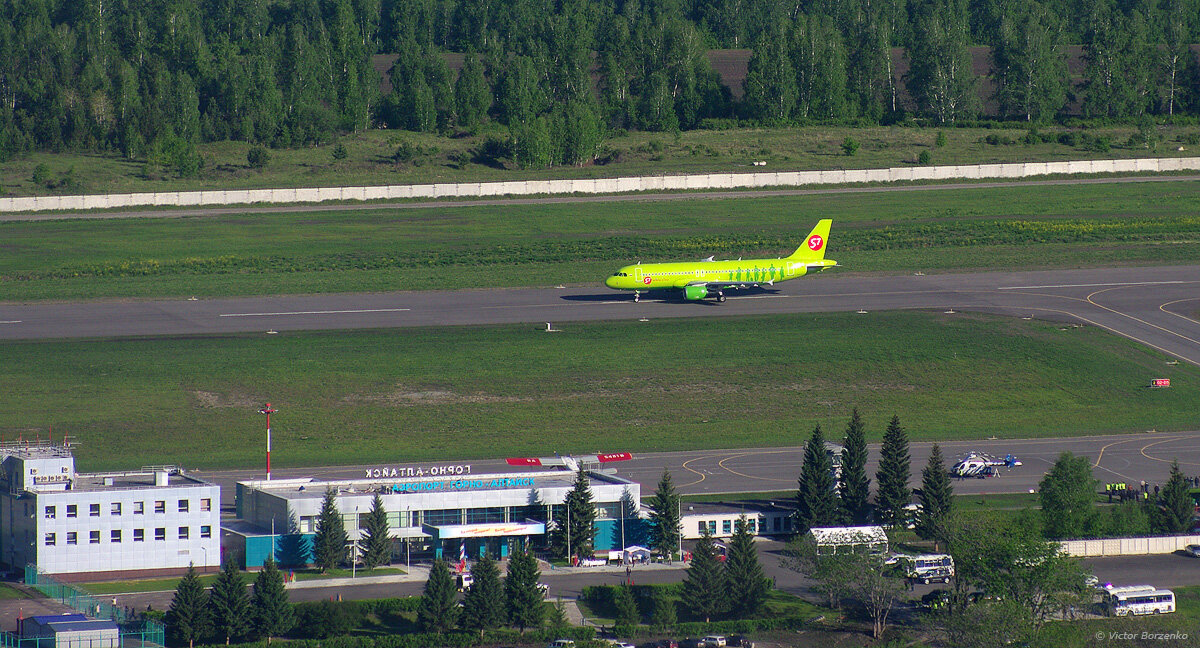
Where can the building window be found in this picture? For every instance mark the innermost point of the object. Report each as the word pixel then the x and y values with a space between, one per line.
pixel 139 535
pixel 115 508
pixel 183 506
pixel 183 533
pixel 94 537
pixel 139 508
pixel 307 523
pixel 727 526
pixel 206 531
pixel 205 504
pixel 72 538
pixel 700 526
pixel 485 515
pixel 752 526
pixel 712 527
pixel 72 511
pixel 115 536
pixel 51 512
pixel 51 540
pixel 160 534
pixel 778 524
pixel 443 516
pixel 160 506
pixel 94 510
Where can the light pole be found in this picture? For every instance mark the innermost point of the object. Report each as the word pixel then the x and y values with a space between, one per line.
pixel 268 411
pixel 354 546
pixel 205 550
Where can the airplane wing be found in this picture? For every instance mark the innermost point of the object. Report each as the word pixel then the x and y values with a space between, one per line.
pixel 569 463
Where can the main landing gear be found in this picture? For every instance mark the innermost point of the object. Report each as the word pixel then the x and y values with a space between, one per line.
pixel 637 296
pixel 720 296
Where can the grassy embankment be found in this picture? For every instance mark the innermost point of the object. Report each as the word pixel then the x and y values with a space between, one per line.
pixel 455 159
pixel 440 394
pixel 545 245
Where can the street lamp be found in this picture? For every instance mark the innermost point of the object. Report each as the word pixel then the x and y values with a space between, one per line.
pixel 205 550
pixel 268 411
pixel 354 546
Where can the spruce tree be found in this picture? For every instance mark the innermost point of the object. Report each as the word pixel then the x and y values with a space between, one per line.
pixel 187 619
pixel 666 526
pixel 625 607
pixel 438 608
pixel 937 498
pixel 375 543
pixel 483 606
pixel 1175 505
pixel 228 604
pixel 272 613
pixel 523 598
pixel 855 488
pixel 574 524
pixel 329 546
pixel 893 494
pixel 662 609
pixel 747 582
pixel 704 587
pixel 816 497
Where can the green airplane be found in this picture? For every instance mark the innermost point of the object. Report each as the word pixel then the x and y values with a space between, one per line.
pixel 707 278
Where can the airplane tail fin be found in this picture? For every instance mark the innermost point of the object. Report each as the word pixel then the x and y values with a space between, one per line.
pixel 814 245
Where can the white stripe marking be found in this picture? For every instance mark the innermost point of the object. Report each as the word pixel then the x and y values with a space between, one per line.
pixel 1092 285
pixel 10 322
pixel 325 312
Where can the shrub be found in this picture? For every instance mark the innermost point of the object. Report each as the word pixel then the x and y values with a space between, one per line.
pixel 406 152
pixel 1191 138
pixel 1099 144
pixel 849 146
pixel 941 139
pixel 324 619
pixel 257 157
pixel 41 174
pixel 924 158
pixel 339 152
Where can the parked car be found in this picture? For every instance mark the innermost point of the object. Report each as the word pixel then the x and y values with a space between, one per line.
pixel 739 641
pixel 666 643
pixel 615 643
pixel 714 641
pixel 1192 550
pixel 562 643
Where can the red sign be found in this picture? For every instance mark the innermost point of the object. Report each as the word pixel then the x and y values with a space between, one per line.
pixel 815 242
pixel 523 461
pixel 614 456
pixel 1160 382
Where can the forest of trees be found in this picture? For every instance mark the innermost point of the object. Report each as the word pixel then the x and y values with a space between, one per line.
pixel 152 78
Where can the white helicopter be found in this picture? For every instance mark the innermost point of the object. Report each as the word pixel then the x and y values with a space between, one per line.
pixel 979 464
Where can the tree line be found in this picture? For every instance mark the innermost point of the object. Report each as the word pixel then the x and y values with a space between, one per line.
pixel 152 79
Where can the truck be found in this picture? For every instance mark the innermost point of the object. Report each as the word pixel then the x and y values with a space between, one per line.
pixel 928 568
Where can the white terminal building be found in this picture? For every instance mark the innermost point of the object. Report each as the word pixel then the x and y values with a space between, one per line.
pixel 150 522
pixel 438 512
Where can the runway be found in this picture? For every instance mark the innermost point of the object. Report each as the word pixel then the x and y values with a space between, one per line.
pixel 1154 306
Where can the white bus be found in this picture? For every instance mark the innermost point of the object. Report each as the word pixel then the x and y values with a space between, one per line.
pixel 929 567
pixel 1159 601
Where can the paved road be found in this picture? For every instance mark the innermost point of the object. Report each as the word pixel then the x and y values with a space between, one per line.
pixel 636 197
pixel 1151 305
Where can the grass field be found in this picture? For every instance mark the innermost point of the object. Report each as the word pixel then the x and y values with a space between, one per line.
pixel 455 159
pixel 440 394
pixel 498 246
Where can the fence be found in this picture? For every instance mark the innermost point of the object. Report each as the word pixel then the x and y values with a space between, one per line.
pixel 597 185
pixel 135 632
pixel 1128 546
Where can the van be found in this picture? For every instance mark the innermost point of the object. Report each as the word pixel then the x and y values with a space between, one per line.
pixel 464 581
pixel 714 641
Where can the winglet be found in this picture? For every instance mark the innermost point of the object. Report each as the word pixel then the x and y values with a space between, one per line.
pixel 815 243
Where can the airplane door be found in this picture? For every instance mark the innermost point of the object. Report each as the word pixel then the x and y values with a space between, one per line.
pixel 638 272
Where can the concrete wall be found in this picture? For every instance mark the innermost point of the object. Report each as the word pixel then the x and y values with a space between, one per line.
pixel 1128 546
pixel 594 186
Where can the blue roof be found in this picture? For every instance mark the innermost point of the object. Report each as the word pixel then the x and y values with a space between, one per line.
pixel 47 618
pixel 75 626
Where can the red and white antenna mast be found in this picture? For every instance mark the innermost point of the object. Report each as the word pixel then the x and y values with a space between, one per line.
pixel 268 411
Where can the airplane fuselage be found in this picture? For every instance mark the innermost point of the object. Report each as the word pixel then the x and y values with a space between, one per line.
pixel 645 277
